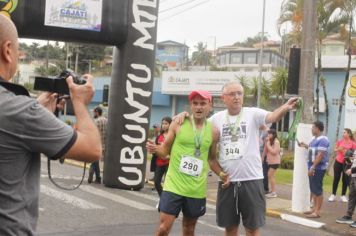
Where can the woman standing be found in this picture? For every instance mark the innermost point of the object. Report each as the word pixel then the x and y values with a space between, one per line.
pixel 161 162
pixel 342 146
pixel 272 150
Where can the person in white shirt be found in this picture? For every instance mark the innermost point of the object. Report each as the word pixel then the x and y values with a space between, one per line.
pixel 240 160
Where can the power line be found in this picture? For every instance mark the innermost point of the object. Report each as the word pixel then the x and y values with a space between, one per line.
pixel 185 10
pixel 176 6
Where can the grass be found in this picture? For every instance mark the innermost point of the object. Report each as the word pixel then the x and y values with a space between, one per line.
pixel 284 176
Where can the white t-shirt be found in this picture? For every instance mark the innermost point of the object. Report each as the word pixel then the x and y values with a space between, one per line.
pixel 241 159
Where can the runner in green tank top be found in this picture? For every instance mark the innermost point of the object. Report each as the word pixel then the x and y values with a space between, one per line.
pixel 191 147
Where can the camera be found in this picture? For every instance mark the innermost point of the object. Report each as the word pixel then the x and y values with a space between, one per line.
pixel 348 156
pixel 57 84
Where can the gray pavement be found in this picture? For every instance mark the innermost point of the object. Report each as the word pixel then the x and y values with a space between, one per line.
pixel 282 205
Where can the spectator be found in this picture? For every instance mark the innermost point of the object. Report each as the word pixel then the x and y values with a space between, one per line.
pixel 347 218
pixel 263 136
pixel 161 162
pixel 156 131
pixel 341 147
pixel 101 123
pixel 318 157
pixel 272 151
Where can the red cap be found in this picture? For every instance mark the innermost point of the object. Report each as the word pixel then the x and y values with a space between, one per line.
pixel 204 94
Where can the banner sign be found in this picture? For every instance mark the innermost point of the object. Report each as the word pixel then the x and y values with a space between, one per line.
pixel 74 14
pixel 350 103
pixel 86 21
pixel 183 82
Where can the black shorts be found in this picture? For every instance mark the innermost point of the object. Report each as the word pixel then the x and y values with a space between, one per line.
pixel 241 199
pixel 171 203
pixel 274 166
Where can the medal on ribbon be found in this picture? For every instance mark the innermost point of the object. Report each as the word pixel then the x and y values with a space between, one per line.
pixel 198 137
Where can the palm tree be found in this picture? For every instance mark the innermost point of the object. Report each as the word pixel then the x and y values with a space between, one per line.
pixel 244 83
pixel 327 23
pixel 201 56
pixel 323 85
pixel 292 11
pixel 279 85
pixel 348 7
pixel 265 91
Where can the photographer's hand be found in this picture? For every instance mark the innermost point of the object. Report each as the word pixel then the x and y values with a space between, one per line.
pixel 48 100
pixel 88 144
pixel 81 93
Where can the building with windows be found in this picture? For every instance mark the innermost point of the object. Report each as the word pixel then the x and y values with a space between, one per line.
pixel 248 59
pixel 172 55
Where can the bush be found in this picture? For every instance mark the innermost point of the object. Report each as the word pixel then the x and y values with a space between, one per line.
pixel 287 161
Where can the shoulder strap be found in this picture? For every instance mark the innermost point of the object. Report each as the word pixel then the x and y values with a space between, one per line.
pixel 15 88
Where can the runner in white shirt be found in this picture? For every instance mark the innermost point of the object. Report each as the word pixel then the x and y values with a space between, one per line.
pixel 240 159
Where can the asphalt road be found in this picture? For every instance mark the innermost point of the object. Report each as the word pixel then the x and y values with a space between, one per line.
pixel 96 210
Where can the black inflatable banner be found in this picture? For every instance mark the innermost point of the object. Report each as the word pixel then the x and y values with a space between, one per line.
pixel 130 99
pixel 29 18
pixel 130 25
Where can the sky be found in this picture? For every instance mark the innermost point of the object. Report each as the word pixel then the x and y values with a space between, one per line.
pixel 227 21
pixel 207 21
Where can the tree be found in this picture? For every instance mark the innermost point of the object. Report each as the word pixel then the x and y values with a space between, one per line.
pixel 327 23
pixel 244 83
pixel 250 41
pixel 265 91
pixel 348 7
pixel 292 12
pixel 201 56
pixel 279 85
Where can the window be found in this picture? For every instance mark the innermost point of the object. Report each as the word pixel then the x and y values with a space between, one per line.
pixel 236 58
pixel 250 58
pixel 335 101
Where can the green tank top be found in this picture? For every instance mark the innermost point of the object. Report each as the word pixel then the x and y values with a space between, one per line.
pixel 181 183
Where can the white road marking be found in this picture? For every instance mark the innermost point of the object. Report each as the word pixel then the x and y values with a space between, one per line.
pixel 210 225
pixel 302 221
pixel 143 195
pixel 75 201
pixel 117 198
pixel 65 177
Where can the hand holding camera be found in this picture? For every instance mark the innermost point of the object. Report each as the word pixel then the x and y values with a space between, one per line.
pixel 82 93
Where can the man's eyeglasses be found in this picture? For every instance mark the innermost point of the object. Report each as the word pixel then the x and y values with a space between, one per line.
pixel 234 94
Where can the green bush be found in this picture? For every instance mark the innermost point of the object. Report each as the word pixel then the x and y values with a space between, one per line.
pixel 287 161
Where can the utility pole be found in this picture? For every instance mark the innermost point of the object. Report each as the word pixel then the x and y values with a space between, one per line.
pixel 76 59
pixel 261 56
pixel 67 55
pixel 301 191
pixel 47 55
pixel 307 63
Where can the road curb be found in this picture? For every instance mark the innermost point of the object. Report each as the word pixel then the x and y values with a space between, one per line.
pixel 76 163
pixel 273 213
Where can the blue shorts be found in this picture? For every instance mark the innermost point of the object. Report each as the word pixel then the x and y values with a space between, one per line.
pixel 171 203
pixel 316 182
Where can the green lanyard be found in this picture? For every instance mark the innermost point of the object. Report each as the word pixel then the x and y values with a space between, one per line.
pixel 233 127
pixel 298 115
pixel 198 138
